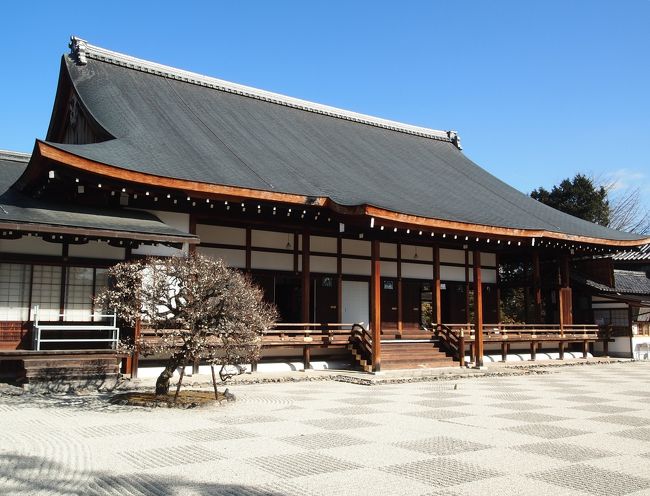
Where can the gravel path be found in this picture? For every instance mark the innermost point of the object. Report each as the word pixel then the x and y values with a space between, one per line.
pixel 574 431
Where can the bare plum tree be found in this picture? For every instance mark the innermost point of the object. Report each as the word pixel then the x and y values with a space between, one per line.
pixel 195 309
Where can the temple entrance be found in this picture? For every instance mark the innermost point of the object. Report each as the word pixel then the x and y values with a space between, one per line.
pixel 324 300
pixel 356 302
pixel 411 304
pixel 288 298
pixel 388 303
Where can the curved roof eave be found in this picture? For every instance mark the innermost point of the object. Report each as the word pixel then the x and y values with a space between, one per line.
pixel 64 157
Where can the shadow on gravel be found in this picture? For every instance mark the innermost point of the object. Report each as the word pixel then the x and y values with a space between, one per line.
pixel 21 474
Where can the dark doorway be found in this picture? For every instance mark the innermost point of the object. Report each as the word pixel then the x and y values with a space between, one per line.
pixel 324 300
pixel 411 304
pixel 288 298
pixel 388 303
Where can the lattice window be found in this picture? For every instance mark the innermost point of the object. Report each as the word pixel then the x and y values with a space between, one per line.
pixel 14 292
pixel 46 291
pixel 79 293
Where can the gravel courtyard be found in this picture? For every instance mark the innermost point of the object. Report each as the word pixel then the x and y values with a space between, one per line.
pixel 574 430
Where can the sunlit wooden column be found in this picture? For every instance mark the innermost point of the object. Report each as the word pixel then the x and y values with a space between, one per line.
pixel 478 310
pixel 437 293
pixel 249 242
pixel 467 319
pixel 498 290
pixel 375 305
pixel 537 287
pixel 339 278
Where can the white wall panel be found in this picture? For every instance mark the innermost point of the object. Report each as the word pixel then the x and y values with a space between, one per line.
pixel 97 249
pixel 388 250
pixel 356 267
pixel 425 253
pixel 488 259
pixel 270 239
pixel 452 256
pixel 322 264
pixel 323 244
pixel 272 261
pixel 356 247
pixel 232 258
pixel 221 234
pixel 30 245
pixel 448 273
pixel 417 271
pixel 388 269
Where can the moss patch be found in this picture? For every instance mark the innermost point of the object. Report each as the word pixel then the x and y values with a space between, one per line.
pixel 186 399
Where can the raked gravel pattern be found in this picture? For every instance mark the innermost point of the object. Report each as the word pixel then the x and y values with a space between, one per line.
pixel 582 430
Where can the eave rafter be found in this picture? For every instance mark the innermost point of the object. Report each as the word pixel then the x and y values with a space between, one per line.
pixel 371 213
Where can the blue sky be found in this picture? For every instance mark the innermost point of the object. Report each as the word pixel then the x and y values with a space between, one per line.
pixel 537 90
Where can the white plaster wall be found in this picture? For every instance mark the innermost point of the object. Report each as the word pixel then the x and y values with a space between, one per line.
pixel 221 234
pixel 417 271
pixel 452 256
pixel 232 258
pixel 388 250
pixel 356 247
pixel 180 221
pixel 449 273
pixel 30 245
pixel 322 244
pixel 354 266
pixel 488 259
pixel 322 264
pixel 388 269
pixel 97 249
pixel 271 261
pixel 424 253
pixel 487 275
pixel 269 239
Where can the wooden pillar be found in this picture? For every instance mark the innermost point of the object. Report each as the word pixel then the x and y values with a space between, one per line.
pixel 498 290
pixel 437 293
pixel 249 242
pixel 565 297
pixel 306 359
pixel 296 254
pixel 191 247
pixel 467 319
pixel 339 277
pixel 537 287
pixel 306 277
pixel 375 305
pixel 478 310
pixel 400 292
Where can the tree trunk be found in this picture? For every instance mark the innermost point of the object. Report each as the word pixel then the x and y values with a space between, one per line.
pixel 162 383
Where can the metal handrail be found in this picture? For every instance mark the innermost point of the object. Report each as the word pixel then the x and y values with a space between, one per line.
pixel 39 328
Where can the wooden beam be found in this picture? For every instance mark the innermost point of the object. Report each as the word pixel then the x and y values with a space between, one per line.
pixel 375 305
pixel 478 310
pixel 306 277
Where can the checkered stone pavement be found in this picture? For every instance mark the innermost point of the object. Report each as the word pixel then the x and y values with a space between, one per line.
pixel 582 430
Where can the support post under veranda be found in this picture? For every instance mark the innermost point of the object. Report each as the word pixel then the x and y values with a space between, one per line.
pixel 214 383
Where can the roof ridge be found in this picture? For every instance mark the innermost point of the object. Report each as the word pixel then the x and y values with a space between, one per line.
pixel 81 51
pixel 14 156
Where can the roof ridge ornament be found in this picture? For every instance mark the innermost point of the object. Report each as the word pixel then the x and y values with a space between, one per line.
pixel 78 49
pixel 455 139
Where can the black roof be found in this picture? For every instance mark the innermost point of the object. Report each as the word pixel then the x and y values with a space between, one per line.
pixel 176 124
pixel 22 211
pixel 626 282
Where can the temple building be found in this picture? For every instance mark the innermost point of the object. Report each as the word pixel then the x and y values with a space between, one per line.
pixel 341 218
